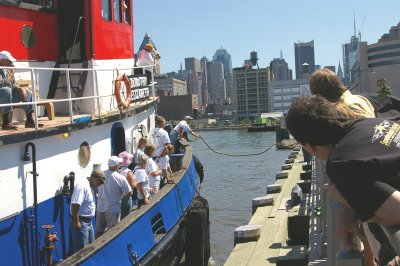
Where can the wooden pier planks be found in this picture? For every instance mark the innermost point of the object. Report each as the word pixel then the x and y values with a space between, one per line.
pixel 272 248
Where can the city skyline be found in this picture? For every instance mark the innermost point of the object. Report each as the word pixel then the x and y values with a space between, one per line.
pixel 183 29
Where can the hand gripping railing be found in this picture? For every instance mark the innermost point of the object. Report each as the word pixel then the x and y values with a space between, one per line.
pixel 336 254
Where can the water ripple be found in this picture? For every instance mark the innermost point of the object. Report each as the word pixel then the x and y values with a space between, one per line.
pixel 232 182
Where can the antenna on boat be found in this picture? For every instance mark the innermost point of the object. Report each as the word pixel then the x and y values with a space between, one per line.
pixel 76 36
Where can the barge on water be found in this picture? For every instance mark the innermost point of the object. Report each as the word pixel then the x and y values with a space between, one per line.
pixel 77 57
pixel 266 122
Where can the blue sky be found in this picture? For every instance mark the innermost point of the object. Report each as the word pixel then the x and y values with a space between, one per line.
pixel 197 28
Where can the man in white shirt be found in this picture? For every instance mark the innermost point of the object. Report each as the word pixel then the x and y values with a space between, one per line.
pixel 83 209
pixel 158 136
pixel 109 198
pixel 180 131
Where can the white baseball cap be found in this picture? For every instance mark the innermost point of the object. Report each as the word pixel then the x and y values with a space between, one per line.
pixel 114 160
pixel 7 55
pixel 188 117
pixel 96 167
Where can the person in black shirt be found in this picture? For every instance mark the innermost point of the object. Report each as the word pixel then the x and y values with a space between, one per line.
pixel 362 155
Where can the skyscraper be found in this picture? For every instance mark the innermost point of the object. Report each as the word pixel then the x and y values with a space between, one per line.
pixel 340 72
pixel 204 63
pixel 304 54
pixel 222 56
pixel 192 63
pixel 193 73
pixel 280 69
pixel 218 84
pixel 350 57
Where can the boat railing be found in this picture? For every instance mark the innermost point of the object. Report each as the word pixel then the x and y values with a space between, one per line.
pixel 330 246
pixel 30 74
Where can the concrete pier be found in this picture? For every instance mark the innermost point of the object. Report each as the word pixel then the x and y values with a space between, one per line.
pixel 283 228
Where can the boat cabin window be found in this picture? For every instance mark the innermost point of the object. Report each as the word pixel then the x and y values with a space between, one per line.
pixel 45 3
pixel 117 11
pixel 31 4
pixel 127 11
pixel 106 9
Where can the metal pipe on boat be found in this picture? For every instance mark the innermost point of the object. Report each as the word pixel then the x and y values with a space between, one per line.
pixel 68 187
pixel 27 158
pixel 50 242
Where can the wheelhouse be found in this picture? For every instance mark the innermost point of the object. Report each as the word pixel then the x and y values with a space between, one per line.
pixel 67 30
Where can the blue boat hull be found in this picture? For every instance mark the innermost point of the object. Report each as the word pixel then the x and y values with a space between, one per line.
pixel 137 238
pixel 134 238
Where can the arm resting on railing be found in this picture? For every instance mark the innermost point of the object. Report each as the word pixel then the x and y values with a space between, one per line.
pixel 393 234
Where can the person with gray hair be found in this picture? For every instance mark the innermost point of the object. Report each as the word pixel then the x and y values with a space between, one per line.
pixel 83 209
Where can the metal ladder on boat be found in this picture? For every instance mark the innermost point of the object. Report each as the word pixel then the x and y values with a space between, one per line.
pixel 77 80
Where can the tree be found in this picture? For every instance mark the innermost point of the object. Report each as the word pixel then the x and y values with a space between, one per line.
pixel 383 88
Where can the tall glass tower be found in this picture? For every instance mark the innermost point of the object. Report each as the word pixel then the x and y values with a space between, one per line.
pixel 349 59
pixel 304 54
pixel 222 56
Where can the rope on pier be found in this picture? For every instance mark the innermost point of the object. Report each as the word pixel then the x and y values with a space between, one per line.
pixel 234 155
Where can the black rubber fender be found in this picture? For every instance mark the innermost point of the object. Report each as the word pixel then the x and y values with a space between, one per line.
pixel 199 168
pixel 197 244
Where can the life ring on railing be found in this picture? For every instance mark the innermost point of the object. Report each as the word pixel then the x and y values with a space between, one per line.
pixel 123 104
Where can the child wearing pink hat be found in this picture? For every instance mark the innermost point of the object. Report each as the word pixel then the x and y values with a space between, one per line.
pixel 126 202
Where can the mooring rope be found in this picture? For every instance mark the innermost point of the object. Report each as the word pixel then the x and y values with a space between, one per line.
pixel 233 155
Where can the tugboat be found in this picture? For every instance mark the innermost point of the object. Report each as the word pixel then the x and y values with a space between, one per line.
pixel 90 103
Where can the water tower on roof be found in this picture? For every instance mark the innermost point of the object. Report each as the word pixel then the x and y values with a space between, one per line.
pixel 254 58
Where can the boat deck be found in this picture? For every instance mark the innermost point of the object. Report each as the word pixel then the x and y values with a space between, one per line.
pixel 56 122
pixel 61 121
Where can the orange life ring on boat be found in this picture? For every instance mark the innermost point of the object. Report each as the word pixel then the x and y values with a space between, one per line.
pixel 117 91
